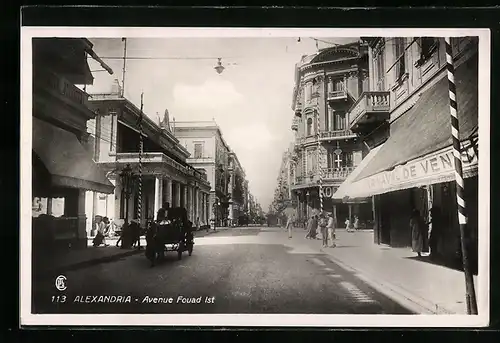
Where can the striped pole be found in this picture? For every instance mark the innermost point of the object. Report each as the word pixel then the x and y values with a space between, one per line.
pixel 462 214
pixel 320 174
pixel 141 147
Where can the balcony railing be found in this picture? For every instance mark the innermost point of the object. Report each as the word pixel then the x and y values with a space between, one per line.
pixel 62 87
pixel 370 102
pixel 152 157
pixel 337 173
pixel 324 135
pixel 337 95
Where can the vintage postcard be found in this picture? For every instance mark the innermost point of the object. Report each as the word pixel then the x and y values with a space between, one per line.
pixel 255 177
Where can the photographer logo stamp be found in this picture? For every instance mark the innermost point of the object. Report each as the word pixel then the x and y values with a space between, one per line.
pixel 61 283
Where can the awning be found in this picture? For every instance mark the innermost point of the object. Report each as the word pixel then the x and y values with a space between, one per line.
pixel 418 151
pixel 69 164
pixel 343 191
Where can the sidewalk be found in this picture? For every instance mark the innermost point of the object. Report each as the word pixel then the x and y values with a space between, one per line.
pixel 423 287
pixel 83 258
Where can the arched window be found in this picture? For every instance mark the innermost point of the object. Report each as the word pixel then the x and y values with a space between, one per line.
pixel 309 126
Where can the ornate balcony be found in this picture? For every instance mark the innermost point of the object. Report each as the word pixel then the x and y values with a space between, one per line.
pixel 298 110
pixel 63 90
pixel 336 134
pixel 372 108
pixel 336 96
pixel 339 174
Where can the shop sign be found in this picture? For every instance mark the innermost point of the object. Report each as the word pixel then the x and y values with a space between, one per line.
pixel 426 170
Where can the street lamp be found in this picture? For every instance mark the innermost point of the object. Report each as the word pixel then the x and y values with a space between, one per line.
pixel 127 181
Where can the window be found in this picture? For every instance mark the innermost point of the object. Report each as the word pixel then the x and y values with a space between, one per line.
pixel 309 126
pixel 198 150
pixel 400 67
pixel 347 159
pixel 311 161
pixel 428 46
pixel 339 121
pixel 338 85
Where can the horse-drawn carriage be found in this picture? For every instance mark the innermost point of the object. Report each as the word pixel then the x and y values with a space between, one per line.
pixel 172 232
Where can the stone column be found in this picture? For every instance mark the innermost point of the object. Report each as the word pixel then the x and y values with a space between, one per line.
pixel 350 213
pixel 158 195
pixel 189 205
pixel 111 202
pixel 335 214
pixel 177 186
pixel 185 204
pixel 167 191
pixel 82 220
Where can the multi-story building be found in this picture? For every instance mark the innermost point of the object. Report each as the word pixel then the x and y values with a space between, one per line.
pixel 283 192
pixel 167 178
pixel 62 171
pixel 404 118
pixel 210 152
pixel 327 84
pixel 238 189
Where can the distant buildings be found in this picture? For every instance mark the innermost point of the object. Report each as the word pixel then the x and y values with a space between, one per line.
pixel 168 178
pixel 209 151
pixel 62 170
pixel 327 85
pixel 283 192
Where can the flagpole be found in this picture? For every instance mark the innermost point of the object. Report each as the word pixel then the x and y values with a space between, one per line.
pixel 462 212
pixel 124 64
pixel 139 196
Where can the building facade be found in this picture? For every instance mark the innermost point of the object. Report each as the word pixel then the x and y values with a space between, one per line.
pixel 405 120
pixel 167 178
pixel 327 84
pixel 62 170
pixel 283 192
pixel 210 152
pixel 238 190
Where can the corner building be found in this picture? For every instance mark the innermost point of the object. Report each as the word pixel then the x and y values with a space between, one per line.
pixel 327 85
pixel 405 121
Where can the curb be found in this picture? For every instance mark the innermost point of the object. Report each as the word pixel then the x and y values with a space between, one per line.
pixel 88 263
pixel 397 293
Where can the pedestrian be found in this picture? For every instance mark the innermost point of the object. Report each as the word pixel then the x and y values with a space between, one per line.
pixel 322 222
pixel 99 238
pixel 135 234
pixel 436 232
pixel 289 226
pixel 356 223
pixel 311 227
pixel 348 225
pixel 331 229
pixel 418 233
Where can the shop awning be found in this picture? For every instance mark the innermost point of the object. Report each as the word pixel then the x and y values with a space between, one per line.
pixel 419 147
pixel 69 164
pixel 343 191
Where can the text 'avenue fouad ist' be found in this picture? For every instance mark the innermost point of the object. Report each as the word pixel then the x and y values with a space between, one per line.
pixel 145 300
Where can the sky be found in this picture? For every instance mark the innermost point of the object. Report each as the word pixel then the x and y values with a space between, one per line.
pixel 250 101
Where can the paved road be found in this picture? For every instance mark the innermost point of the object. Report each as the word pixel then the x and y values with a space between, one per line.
pixel 246 270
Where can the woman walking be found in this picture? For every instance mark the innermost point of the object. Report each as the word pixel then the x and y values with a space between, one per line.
pixel 436 232
pixel 331 229
pixel 418 233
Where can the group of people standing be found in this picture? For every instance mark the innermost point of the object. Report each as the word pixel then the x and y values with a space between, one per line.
pixel 327 225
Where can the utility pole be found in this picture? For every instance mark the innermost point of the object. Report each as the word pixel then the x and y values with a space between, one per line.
pixel 124 64
pixel 462 212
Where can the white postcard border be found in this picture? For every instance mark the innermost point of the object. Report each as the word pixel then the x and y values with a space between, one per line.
pixel 267 320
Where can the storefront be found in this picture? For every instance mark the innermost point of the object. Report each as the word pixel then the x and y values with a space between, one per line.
pixel 62 172
pixel 414 168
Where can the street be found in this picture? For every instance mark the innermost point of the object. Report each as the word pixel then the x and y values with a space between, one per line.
pixel 239 270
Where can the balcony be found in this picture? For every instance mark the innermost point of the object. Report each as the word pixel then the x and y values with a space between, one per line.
pixel 371 109
pixel 336 96
pixel 336 134
pixel 151 157
pixel 63 90
pixel 298 110
pixel 337 174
